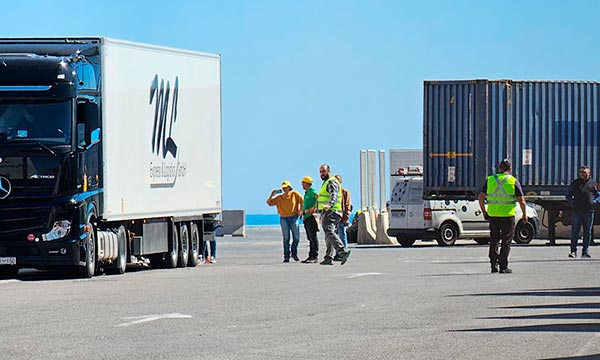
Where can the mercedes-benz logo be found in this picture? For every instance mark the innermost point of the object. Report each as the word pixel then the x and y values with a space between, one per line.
pixel 5 187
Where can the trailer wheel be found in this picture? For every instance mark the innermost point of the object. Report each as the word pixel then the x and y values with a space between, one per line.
pixel 193 258
pixel 524 232
pixel 447 234
pixel 405 241
pixel 184 245
pixel 89 269
pixel 8 272
pixel 173 255
pixel 121 262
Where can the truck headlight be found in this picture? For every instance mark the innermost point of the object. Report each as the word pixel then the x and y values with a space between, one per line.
pixel 59 230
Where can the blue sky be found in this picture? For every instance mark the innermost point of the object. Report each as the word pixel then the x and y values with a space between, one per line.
pixel 311 82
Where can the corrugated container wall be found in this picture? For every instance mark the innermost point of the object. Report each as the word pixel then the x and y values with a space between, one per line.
pixel 546 128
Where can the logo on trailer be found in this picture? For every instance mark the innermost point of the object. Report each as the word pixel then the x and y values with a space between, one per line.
pixel 165 115
pixel 164 169
pixel 5 187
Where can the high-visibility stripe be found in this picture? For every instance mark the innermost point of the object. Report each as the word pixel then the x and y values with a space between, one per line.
pixel 324 199
pixel 501 195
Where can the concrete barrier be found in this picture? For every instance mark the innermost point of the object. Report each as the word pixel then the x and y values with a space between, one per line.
pixel 366 234
pixel 233 223
pixel 383 223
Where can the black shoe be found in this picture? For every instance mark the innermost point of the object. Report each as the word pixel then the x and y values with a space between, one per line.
pixel 310 261
pixel 573 254
pixel 494 269
pixel 345 257
pixel 326 262
pixel 505 271
pixel 337 257
pixel 286 260
pixel 586 255
pixel 295 257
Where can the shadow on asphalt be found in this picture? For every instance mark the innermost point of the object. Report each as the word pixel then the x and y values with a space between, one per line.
pixel 580 291
pixel 586 357
pixel 555 306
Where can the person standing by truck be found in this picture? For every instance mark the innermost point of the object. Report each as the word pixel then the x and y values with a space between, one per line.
pixel 289 207
pixel 310 221
pixel 346 210
pixel 582 195
pixel 329 205
pixel 501 190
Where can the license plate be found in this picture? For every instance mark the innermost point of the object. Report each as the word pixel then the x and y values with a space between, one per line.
pixel 8 261
pixel 398 213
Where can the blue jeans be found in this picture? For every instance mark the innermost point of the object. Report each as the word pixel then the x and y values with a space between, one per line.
pixel 585 219
pixel 290 224
pixel 341 232
pixel 213 249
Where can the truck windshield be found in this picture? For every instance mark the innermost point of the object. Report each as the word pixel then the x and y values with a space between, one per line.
pixel 43 121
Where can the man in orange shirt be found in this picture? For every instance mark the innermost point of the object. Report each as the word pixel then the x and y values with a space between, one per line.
pixel 289 207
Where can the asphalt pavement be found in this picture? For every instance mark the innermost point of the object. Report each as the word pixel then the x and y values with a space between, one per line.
pixel 423 302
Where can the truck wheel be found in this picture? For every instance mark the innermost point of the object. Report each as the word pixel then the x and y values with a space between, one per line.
pixel 405 241
pixel 89 269
pixel 193 258
pixel 8 272
pixel 173 255
pixel 524 232
pixel 121 261
pixel 184 245
pixel 447 234
pixel 482 241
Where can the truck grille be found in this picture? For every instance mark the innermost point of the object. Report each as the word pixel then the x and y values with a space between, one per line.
pixel 22 219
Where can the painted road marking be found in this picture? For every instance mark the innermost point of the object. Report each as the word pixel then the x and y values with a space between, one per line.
pixel 148 318
pixel 353 276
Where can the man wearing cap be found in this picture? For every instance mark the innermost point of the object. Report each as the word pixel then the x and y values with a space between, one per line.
pixel 289 207
pixel 329 205
pixel 310 221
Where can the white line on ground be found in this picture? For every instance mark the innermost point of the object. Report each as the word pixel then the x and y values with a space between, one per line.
pixel 148 318
pixel 352 276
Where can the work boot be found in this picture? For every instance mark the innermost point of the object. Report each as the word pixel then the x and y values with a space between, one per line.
pixel 326 261
pixel 494 268
pixel 345 256
pixel 505 271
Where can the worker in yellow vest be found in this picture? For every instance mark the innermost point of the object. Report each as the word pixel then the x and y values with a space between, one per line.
pixel 329 205
pixel 502 191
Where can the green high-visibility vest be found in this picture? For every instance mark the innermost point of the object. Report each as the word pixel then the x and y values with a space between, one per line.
pixel 324 198
pixel 501 195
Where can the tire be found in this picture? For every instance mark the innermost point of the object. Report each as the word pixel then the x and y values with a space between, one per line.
pixel 482 241
pixel 405 241
pixel 120 265
pixel 172 256
pixel 89 269
pixel 447 234
pixel 194 253
pixel 524 232
pixel 184 245
pixel 8 272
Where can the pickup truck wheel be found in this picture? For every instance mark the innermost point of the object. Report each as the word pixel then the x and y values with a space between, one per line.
pixel 405 241
pixel 482 241
pixel 193 258
pixel 120 264
pixel 524 232
pixel 184 245
pixel 447 234
pixel 173 255
pixel 8 272
pixel 89 269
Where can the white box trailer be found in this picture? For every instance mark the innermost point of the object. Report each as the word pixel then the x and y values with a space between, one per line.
pixel 110 150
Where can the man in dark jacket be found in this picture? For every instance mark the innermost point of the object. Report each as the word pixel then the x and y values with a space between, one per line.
pixel 582 195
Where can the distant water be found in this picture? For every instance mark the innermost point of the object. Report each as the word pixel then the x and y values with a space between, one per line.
pixel 267 219
pixel 262 219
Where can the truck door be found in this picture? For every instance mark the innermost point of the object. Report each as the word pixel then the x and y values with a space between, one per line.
pixel 399 204
pixel 417 206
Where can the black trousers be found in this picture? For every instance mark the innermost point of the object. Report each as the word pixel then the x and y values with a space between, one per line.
pixel 311 227
pixel 502 231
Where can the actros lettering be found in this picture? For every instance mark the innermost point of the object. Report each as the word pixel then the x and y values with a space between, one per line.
pixel 165 111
